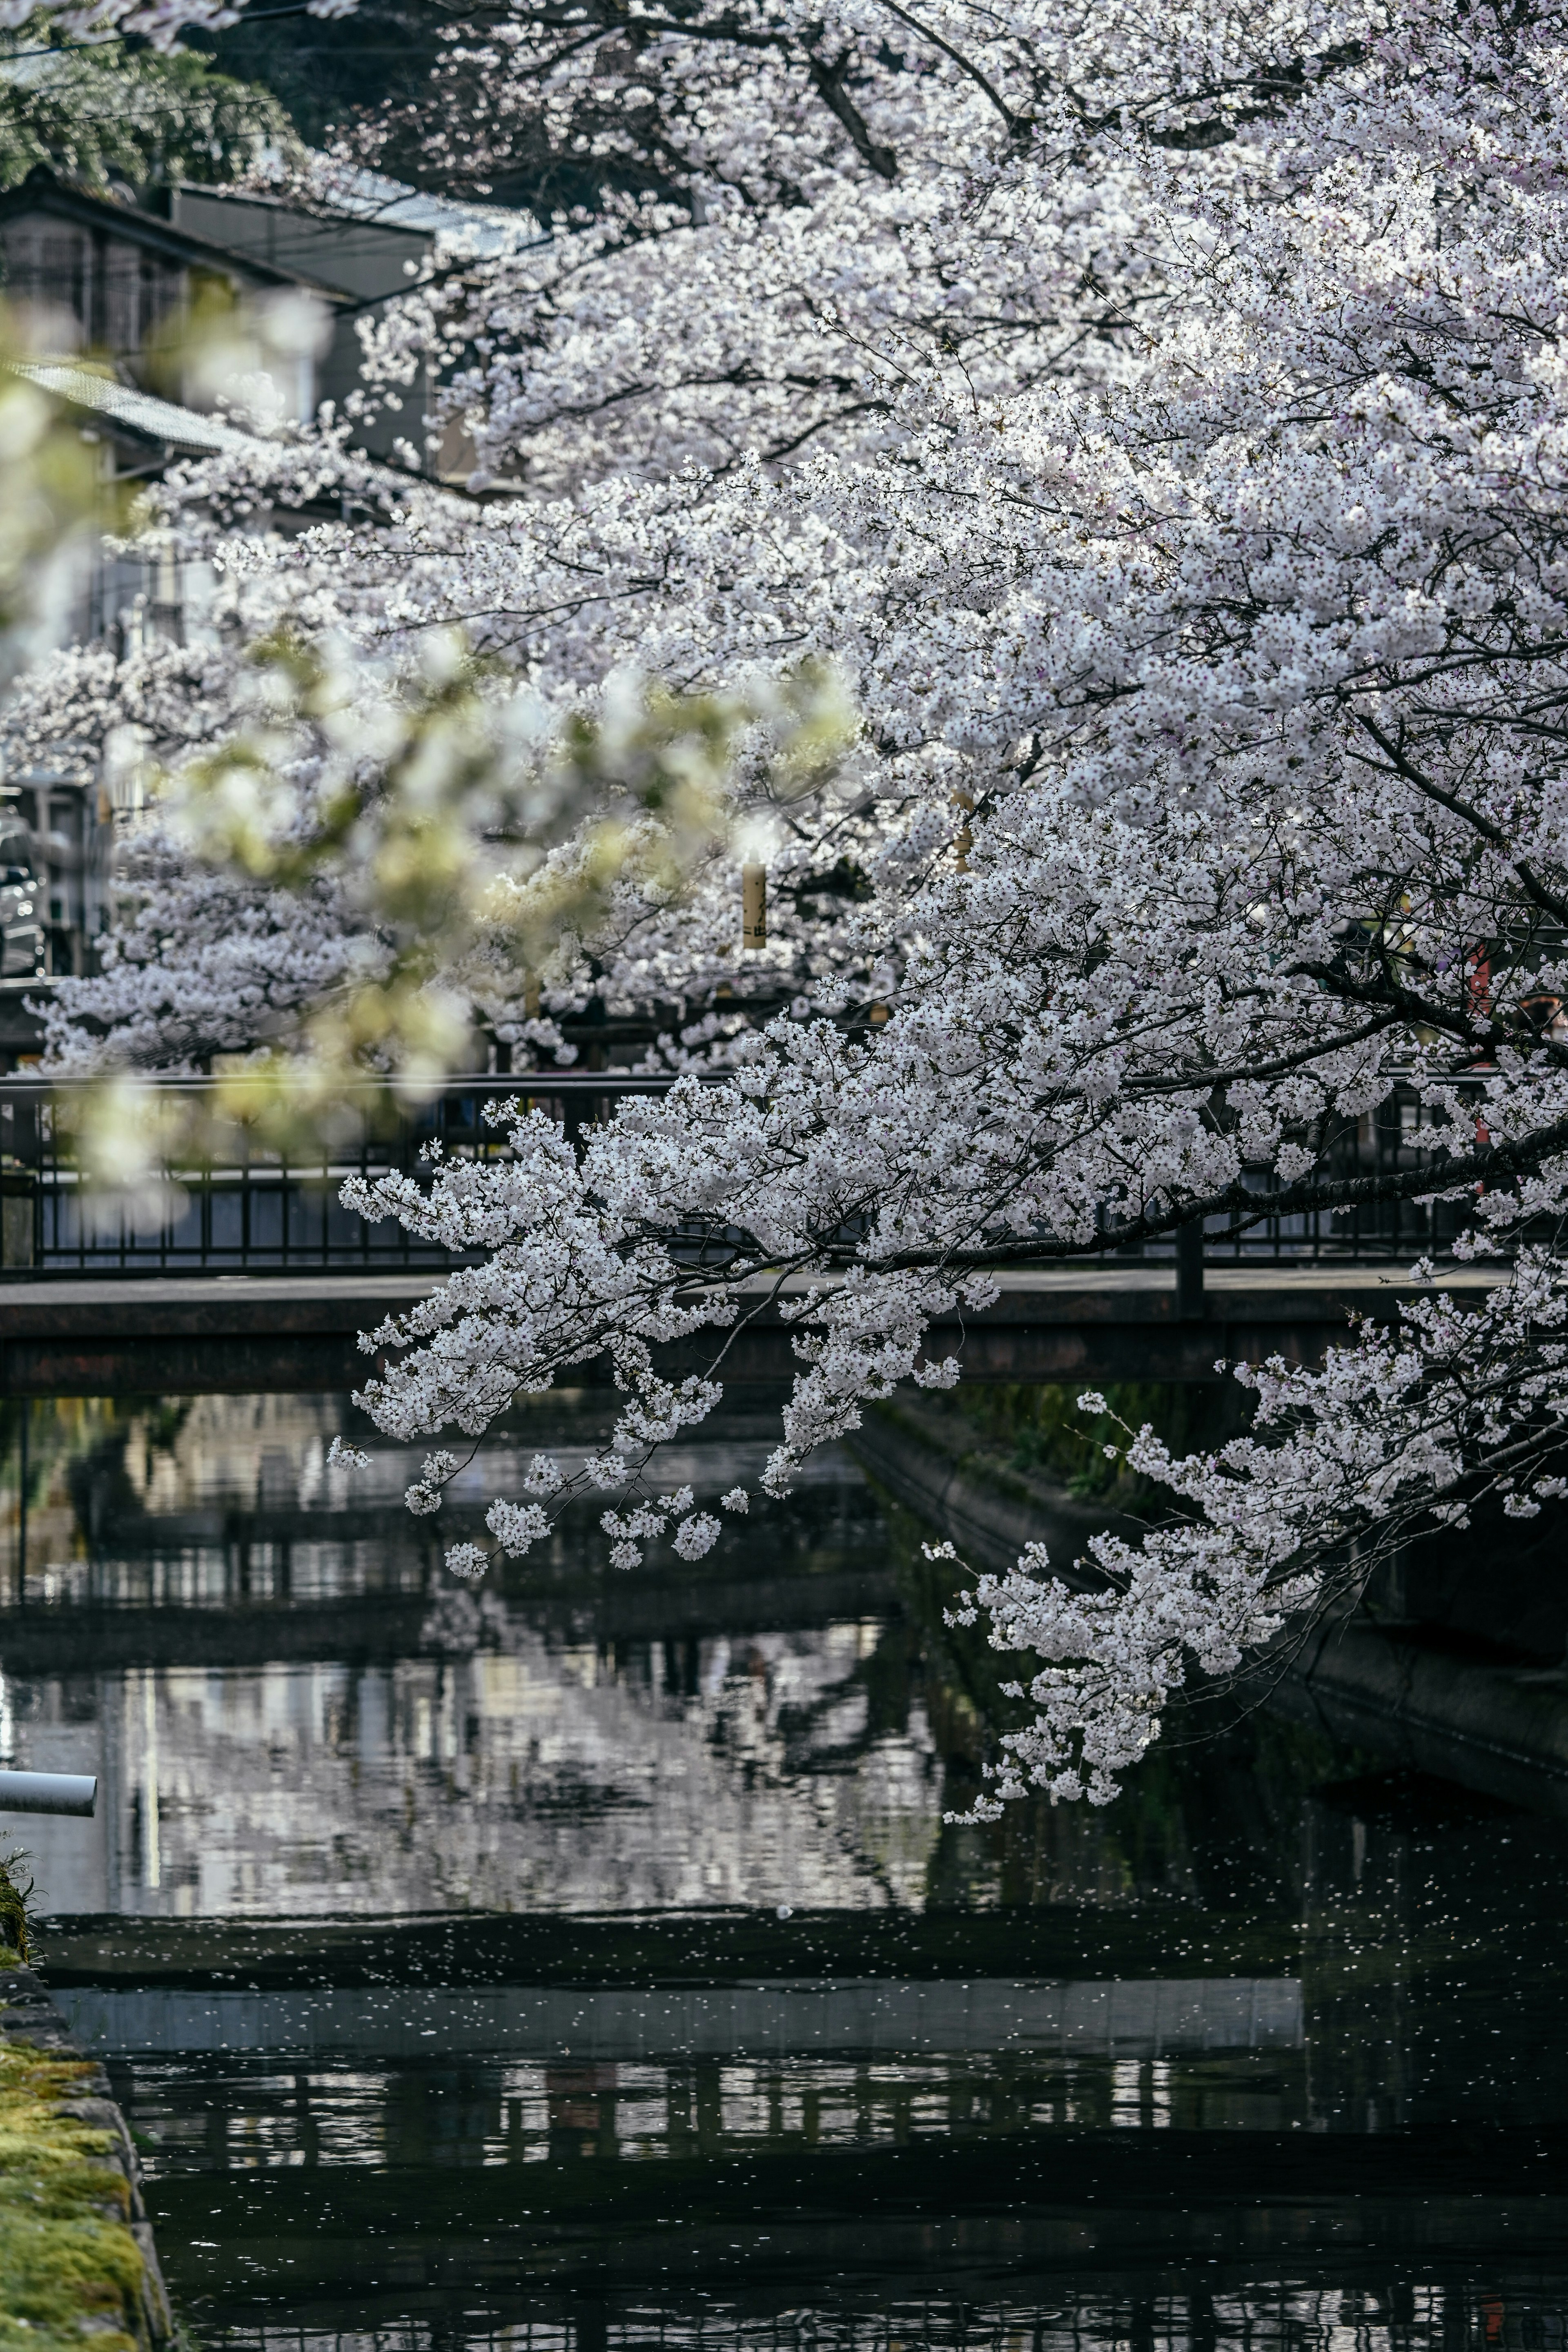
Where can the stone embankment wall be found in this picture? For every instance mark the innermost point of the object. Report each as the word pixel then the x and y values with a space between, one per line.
pixel 1430 1693
pixel 76 2258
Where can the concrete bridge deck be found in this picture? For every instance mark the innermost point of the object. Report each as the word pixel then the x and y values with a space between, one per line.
pixel 287 1332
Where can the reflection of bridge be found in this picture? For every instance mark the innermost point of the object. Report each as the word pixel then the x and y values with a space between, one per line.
pixel 581 2024
pixel 277 1333
pixel 1043 2217
pixel 381 1628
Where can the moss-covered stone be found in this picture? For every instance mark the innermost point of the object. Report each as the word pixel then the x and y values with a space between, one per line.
pixel 70 2269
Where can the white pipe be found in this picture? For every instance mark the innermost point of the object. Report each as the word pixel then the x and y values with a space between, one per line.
pixel 48 1792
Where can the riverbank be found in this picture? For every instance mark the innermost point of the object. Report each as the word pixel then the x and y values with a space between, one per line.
pixel 1423 1695
pixel 76 2257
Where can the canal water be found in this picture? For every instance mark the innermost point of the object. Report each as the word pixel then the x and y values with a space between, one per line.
pixel 584 1962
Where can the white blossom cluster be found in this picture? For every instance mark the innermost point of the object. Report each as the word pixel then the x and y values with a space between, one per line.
pixel 1401 1432
pixel 1158 421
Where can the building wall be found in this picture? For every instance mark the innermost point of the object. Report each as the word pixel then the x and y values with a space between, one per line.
pixel 368 260
pixel 98 292
pixel 109 293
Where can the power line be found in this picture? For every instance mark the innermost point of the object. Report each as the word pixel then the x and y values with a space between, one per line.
pixel 64 49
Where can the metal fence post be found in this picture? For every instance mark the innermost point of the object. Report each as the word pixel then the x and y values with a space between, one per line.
pixel 1189 1272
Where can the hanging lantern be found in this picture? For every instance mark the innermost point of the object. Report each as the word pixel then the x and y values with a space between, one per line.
pixel 753 905
pixel 963 841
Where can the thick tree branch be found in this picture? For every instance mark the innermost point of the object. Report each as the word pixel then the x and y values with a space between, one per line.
pixel 828 81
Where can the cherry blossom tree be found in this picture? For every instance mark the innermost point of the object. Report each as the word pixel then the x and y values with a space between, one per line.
pixel 1246 651
pixel 1160 427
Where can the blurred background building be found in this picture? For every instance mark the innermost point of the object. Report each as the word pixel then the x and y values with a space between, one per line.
pixel 115 289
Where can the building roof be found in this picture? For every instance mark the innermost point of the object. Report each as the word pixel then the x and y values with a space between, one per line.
pixel 367 196
pixel 375 202
pixel 140 413
pixel 44 191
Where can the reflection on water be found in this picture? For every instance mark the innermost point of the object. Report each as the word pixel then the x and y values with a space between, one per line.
pixel 585 1962
pixel 418 1747
pixel 239 2112
pixel 1294 2316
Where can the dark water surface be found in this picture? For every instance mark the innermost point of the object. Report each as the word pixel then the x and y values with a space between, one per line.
pixel 586 1963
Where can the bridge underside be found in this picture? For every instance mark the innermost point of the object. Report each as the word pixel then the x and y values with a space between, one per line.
pixel 281 1334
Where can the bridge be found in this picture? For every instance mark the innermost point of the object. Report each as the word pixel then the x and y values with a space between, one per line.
pixel 255 1278
pixel 278 1333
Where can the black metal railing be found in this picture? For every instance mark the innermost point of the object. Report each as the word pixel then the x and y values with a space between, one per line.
pixel 256 1210
pixel 253 1209
pixel 1400 1138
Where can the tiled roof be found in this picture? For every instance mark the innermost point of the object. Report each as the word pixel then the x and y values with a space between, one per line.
pixel 139 412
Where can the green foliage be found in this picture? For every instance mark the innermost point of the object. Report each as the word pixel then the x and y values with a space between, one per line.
pixel 324 70
pixel 1041 1428
pixel 68 2265
pixel 117 112
pixel 15 1915
pixel 474 837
